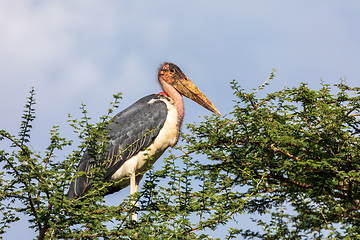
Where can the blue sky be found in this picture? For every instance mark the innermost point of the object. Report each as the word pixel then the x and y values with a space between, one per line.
pixel 73 51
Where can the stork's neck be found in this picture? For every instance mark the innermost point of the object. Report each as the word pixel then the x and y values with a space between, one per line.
pixel 178 100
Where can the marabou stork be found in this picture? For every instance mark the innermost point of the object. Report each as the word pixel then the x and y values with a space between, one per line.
pixel 145 129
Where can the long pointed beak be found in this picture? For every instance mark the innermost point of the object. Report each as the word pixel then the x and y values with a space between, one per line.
pixel 189 90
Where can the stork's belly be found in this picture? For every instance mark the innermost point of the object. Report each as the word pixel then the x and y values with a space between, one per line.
pixel 139 163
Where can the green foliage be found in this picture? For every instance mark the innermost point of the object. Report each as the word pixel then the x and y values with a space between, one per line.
pixel 296 147
pixel 293 154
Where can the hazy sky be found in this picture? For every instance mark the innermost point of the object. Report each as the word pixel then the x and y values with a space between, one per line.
pixel 73 51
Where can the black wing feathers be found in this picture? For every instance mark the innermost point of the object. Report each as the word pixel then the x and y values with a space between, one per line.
pixel 132 130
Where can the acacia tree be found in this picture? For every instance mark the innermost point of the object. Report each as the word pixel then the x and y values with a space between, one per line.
pixel 295 149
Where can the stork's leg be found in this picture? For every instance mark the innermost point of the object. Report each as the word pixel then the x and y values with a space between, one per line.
pixel 134 186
